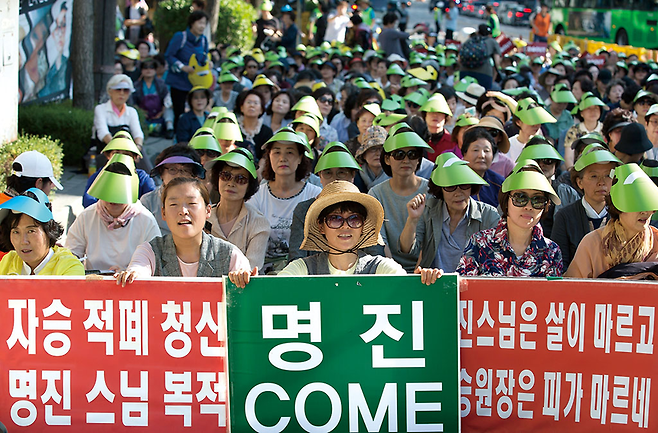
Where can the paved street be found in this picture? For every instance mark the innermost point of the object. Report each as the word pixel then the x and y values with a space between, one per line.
pixel 419 13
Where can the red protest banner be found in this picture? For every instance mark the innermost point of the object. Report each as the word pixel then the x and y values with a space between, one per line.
pixel 536 49
pixel 555 355
pixel 91 356
pixel 505 43
pixel 599 60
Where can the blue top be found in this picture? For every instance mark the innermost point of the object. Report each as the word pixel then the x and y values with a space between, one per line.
pixel 146 184
pixel 489 193
pixel 180 49
pixel 188 123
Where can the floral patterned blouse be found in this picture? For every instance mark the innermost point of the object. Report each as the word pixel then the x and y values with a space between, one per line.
pixel 489 253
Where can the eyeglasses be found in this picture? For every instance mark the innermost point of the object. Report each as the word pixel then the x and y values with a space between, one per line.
pixel 208 152
pixel 520 199
pixel 400 154
pixel 151 66
pixel 454 188
pixel 326 100
pixel 653 122
pixel 412 104
pixel 240 179
pixel 175 171
pixel 354 221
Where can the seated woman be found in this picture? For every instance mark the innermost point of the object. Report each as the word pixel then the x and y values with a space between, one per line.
pixel 227 132
pixel 108 231
pixel 436 113
pixel 591 174
pixel 187 251
pixel 516 247
pixel 29 232
pixel 368 155
pixel 627 237
pixel 339 224
pixel 363 119
pixel 178 160
pixel 249 107
pixel 540 150
pixel 439 227
pixel 403 150
pixel 198 99
pixel 287 165
pixel 123 144
pixel 114 115
pixel 234 177
pixel 478 149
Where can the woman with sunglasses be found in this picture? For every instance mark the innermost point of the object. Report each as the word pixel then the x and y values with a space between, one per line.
pixel 438 228
pixel 627 238
pixel 234 178
pixel 516 247
pixel 287 165
pixel 339 224
pixel 400 159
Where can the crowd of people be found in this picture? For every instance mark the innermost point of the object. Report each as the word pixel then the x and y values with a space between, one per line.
pixel 344 157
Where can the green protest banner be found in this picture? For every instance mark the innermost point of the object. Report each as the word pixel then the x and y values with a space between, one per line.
pixel 338 354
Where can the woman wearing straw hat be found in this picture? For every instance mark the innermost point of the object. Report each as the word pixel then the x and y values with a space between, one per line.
pixel 627 237
pixel 338 225
pixel 368 155
pixel 287 164
pixel 234 178
pixel 516 247
pixel 108 231
pixel 187 251
pixel 501 163
pixel 28 229
pixel 335 163
pixel 401 158
pixel 588 111
pixel 591 175
pixel 439 227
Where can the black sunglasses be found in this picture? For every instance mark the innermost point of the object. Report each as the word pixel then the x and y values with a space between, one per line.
pixel 326 100
pixel 239 178
pixel 354 221
pixel 546 161
pixel 208 152
pixel 454 188
pixel 520 199
pixel 412 154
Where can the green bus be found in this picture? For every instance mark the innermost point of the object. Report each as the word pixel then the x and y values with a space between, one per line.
pixel 624 22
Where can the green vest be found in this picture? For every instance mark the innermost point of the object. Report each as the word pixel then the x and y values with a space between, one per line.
pixel 494 23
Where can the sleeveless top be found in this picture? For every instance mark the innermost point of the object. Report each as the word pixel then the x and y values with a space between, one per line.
pixel 318 264
pixel 214 261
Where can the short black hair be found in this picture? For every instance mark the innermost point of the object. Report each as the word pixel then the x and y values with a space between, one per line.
pixel 206 93
pixel 291 98
pixel 473 135
pixel 20 184
pixel 52 228
pixel 196 16
pixel 390 18
pixel 239 101
pixel 252 187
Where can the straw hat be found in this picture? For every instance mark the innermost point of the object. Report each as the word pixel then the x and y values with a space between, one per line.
pixel 340 191
pixel 492 122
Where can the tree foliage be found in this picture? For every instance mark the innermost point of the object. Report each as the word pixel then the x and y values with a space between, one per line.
pixel 235 16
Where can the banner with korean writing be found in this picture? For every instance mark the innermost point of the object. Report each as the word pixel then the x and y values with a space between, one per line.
pixel 339 354
pixel 558 355
pixel 88 356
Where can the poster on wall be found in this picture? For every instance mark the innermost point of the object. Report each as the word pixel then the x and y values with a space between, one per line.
pixel 44 50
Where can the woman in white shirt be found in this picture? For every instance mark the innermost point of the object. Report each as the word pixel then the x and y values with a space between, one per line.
pixel 109 231
pixel 287 165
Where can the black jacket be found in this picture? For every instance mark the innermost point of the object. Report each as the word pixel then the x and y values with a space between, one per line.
pixel 570 225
